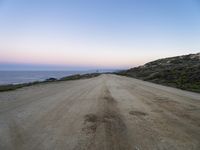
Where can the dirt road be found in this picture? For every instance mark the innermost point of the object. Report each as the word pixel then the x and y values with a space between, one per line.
pixel 108 112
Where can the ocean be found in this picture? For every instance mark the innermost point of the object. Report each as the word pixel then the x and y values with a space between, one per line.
pixel 15 77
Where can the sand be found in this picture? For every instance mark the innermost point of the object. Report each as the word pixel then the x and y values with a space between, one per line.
pixel 108 112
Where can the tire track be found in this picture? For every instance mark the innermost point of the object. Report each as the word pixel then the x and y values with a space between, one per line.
pixel 106 127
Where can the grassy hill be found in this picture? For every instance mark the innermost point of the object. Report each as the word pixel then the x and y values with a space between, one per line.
pixel 181 71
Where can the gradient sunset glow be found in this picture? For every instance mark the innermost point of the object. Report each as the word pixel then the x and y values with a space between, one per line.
pixel 96 33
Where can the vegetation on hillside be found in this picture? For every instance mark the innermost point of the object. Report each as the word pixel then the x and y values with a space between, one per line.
pixel 182 72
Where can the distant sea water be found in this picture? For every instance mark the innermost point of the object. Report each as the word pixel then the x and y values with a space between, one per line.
pixel 15 77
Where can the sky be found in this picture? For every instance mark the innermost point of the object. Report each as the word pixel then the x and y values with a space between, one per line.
pixel 94 34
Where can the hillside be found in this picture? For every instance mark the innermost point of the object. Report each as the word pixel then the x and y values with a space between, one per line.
pixel 180 71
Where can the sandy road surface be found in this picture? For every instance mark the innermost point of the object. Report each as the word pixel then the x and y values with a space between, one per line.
pixel 108 112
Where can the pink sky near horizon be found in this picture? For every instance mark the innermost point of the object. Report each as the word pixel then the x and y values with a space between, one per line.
pixel 55 58
pixel 84 51
pixel 50 51
pixel 63 56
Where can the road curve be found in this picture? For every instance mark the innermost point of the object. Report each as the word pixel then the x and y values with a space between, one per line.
pixel 108 112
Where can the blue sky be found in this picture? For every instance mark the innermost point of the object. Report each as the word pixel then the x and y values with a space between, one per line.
pixel 74 34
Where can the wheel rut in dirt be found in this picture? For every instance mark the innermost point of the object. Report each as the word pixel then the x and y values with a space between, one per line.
pixel 106 124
